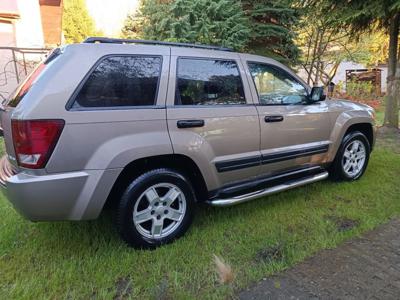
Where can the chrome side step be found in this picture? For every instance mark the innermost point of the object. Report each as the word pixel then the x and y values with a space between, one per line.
pixel 269 191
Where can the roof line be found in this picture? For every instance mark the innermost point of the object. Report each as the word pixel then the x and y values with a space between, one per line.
pixel 150 42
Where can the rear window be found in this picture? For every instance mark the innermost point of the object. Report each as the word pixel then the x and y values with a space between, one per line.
pixel 24 88
pixel 120 81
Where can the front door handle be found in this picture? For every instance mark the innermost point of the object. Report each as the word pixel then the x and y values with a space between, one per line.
pixel 190 123
pixel 270 119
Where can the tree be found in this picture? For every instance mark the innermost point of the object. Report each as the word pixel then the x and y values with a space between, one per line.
pixel 365 15
pixel 219 22
pixel 324 47
pixel 272 28
pixel 77 23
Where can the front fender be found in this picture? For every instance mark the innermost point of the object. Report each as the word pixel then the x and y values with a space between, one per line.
pixel 341 125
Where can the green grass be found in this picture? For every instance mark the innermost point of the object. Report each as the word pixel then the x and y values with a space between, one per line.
pixel 380 116
pixel 82 260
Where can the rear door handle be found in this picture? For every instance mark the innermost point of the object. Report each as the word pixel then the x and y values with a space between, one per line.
pixel 190 123
pixel 270 119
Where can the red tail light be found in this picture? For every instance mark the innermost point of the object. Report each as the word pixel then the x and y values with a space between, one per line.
pixel 34 141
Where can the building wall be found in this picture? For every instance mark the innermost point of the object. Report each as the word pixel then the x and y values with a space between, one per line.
pixel 348 65
pixel 7 37
pixel 22 31
pixel 51 12
pixel 28 28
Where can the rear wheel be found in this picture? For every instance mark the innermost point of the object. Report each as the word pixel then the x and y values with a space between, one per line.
pixel 155 209
pixel 352 158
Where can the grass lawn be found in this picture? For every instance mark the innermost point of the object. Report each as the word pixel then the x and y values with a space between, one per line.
pixel 82 260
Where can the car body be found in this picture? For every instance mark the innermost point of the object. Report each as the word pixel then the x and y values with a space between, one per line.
pixel 237 137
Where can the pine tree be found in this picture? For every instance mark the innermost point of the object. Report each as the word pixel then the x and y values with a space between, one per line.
pixel 77 23
pixel 218 22
pixel 272 25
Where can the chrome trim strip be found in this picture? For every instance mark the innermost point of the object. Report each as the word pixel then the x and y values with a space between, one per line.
pixel 292 154
pixel 269 191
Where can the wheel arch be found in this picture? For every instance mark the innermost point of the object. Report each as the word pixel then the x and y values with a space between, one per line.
pixel 364 128
pixel 178 162
pixel 348 122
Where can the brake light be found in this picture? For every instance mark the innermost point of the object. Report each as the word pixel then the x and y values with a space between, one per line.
pixel 34 141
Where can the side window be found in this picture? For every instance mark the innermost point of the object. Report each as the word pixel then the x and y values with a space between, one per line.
pixel 121 81
pixel 275 86
pixel 208 82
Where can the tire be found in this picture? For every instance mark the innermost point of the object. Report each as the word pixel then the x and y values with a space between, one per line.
pixel 350 151
pixel 147 217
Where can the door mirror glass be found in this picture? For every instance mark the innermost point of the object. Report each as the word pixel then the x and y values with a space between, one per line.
pixel 317 94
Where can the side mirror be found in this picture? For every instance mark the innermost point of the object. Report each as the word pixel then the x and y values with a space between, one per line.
pixel 317 94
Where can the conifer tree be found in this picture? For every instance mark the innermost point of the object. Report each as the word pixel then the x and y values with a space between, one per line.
pixel 219 22
pixel 77 24
pixel 272 28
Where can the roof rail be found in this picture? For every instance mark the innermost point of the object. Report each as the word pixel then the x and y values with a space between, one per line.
pixel 128 41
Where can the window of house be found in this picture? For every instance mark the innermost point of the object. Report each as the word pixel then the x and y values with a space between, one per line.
pixel 121 81
pixel 275 86
pixel 208 82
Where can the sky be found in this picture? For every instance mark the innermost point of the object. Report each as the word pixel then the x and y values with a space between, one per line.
pixel 109 15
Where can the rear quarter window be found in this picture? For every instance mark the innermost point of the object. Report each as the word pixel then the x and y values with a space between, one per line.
pixel 121 81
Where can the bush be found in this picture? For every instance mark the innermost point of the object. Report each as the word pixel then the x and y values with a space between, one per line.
pixel 360 90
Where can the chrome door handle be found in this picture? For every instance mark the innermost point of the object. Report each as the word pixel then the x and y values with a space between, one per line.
pixel 270 119
pixel 190 123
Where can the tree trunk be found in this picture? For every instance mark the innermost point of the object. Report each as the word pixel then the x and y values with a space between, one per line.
pixel 393 78
pixel 314 52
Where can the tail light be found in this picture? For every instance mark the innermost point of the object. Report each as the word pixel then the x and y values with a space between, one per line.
pixel 34 141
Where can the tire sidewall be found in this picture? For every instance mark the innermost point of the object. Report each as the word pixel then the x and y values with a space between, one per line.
pixel 353 136
pixel 125 224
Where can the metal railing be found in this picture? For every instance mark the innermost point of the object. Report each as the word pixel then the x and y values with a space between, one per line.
pixel 15 64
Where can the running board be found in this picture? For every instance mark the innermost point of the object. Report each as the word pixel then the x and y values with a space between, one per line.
pixel 269 191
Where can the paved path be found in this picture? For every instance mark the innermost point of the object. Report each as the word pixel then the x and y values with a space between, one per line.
pixel 362 268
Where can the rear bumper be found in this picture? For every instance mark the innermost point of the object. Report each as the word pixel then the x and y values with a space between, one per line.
pixel 64 196
pixel 50 197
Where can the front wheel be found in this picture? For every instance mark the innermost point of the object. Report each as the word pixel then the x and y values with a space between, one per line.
pixel 156 208
pixel 352 157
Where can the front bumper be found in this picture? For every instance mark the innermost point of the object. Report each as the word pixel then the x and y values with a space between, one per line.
pixel 63 196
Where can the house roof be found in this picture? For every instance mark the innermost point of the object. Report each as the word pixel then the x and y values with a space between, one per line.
pixel 9 9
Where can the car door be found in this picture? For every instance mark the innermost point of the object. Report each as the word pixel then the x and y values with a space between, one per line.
pixel 294 132
pixel 211 117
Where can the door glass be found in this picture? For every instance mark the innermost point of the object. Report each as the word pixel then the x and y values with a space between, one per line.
pixel 208 82
pixel 275 86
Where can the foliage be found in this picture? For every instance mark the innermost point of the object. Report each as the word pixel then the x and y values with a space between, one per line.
pixel 375 47
pixel 357 15
pixel 360 89
pixel 263 26
pixel 323 49
pixel 220 22
pixel 272 28
pixel 325 45
pixel 365 16
pixel 77 23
